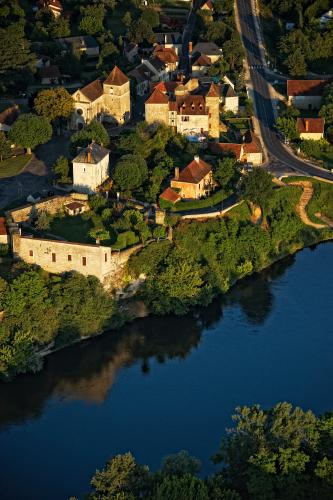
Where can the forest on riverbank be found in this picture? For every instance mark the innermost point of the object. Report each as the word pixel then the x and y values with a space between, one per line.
pixel 280 453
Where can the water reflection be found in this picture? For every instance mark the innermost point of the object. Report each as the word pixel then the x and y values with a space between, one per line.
pixel 87 371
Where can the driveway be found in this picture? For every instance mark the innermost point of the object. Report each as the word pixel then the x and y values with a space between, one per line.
pixel 37 175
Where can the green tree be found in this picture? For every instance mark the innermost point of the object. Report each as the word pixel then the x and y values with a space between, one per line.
pixel 122 478
pixel 151 17
pixel 186 487
pixel 180 463
pixel 257 187
pixel 94 131
pixel 108 49
pixel 92 19
pixel 4 146
pixel 287 125
pixel 43 220
pixel 15 53
pixel 127 19
pixel 226 173
pixel 233 51
pixel 29 131
pixel 54 104
pixel 139 31
pixel 296 63
pixel 60 27
pixel 130 173
pixel 61 169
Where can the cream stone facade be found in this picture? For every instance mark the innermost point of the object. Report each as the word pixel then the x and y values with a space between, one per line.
pixel 194 181
pixel 103 99
pixel 90 168
pixel 62 256
pixel 188 109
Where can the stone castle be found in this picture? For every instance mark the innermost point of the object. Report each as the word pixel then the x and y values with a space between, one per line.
pixel 190 108
pixel 106 99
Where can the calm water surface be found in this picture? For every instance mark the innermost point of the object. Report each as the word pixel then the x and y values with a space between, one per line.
pixel 165 384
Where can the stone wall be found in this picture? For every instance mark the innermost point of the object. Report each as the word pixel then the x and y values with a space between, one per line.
pixel 60 256
pixel 51 205
pixel 157 113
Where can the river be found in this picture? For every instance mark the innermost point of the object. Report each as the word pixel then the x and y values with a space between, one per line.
pixel 165 384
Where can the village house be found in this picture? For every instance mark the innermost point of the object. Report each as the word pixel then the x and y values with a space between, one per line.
pixel 306 94
pixel 106 99
pixel 75 208
pixel 311 128
pixel 194 181
pixel 54 6
pixel 131 51
pixel 209 49
pixel 170 196
pixel 141 76
pixel 168 56
pixel 170 41
pixel 200 65
pixel 229 98
pixel 90 168
pixel 248 151
pixel 79 45
pixel 189 109
pixel 50 75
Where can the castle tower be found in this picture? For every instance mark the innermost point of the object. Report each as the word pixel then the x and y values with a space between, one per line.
pixel 116 97
pixel 213 104
pixel 90 168
pixel 157 108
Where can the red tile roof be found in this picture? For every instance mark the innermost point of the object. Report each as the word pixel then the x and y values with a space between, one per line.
pixel 3 228
pixel 194 172
pixel 251 143
pixel 192 105
pixel 93 90
pixel 310 125
pixel 227 148
pixel 170 195
pixel 214 91
pixel 306 87
pixel 202 60
pixel 116 77
pixel 157 98
pixel 167 55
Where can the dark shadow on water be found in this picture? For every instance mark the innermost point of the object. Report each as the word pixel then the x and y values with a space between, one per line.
pixel 88 370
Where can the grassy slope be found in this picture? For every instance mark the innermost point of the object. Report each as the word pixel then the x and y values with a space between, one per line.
pixel 13 166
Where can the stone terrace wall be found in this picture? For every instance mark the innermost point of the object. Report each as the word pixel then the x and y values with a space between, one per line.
pixel 51 205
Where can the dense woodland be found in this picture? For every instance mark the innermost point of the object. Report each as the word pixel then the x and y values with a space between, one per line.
pixel 307 46
pixel 283 453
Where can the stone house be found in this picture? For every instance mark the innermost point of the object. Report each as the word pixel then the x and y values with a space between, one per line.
pixel 106 99
pixel 141 76
pixel 50 75
pixel 194 181
pixel 200 65
pixel 79 45
pixel 227 149
pixel 171 40
pixel 229 98
pixel 90 168
pixel 168 56
pixel 209 49
pixel 75 208
pixel 252 150
pixel 311 128
pixel 189 109
pixel 170 196
pixel 306 94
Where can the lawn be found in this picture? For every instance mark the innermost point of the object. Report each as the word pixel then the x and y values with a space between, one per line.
pixel 74 228
pixel 13 166
pixel 322 200
pixel 197 204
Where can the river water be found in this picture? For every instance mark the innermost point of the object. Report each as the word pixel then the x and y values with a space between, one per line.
pixel 165 384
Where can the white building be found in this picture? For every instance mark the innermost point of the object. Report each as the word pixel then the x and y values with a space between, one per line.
pixel 90 168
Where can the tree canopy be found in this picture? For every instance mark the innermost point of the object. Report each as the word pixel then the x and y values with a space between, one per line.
pixel 130 173
pixel 54 104
pixel 30 130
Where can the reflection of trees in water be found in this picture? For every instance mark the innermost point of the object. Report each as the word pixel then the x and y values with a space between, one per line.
pixel 88 370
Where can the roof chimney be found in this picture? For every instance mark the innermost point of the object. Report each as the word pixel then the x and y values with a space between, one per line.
pixel 197 158
pixel 307 125
pixel 89 154
pixel 190 47
pixel 176 173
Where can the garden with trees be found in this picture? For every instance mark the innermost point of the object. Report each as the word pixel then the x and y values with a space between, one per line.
pixel 283 452
pixel 308 45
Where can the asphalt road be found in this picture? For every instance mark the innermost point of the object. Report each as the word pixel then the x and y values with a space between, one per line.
pixel 277 152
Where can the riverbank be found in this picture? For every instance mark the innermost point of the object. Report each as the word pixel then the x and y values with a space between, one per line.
pixel 204 259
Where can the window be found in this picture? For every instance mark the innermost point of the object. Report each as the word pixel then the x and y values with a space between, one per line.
pixel 84 261
pixel 79 111
pixel 31 253
pixel 105 257
pixel 69 258
pixel 111 90
pixel 54 259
